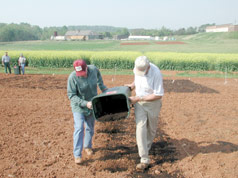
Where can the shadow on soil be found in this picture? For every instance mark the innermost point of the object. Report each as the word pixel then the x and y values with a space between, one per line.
pixel 186 86
pixel 120 156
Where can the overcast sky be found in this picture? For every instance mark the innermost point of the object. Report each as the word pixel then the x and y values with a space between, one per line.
pixel 148 14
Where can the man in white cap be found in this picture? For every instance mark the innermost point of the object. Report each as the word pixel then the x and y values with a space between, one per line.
pixel 148 84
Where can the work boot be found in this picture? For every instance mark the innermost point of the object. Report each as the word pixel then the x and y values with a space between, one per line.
pixel 89 151
pixel 142 166
pixel 78 160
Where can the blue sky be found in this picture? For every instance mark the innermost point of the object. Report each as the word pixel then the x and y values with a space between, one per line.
pixel 148 14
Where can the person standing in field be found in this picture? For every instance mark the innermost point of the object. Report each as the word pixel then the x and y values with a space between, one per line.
pixel 148 85
pixel 22 63
pixel 81 88
pixel 6 62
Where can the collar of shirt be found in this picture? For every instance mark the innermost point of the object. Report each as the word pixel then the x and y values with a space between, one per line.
pixel 145 85
pixel 149 73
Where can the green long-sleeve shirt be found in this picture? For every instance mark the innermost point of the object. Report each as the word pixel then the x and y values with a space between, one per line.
pixel 80 90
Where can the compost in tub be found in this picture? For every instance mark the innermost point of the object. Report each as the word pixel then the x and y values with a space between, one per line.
pixel 113 104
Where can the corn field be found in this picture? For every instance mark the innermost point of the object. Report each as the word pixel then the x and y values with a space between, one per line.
pixel 125 60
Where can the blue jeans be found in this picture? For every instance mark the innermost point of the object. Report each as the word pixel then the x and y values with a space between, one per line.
pixel 23 68
pixel 82 139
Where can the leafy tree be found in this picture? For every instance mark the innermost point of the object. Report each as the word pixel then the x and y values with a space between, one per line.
pixel 7 34
pixel 180 31
pixel 2 25
pixel 107 34
pixel 123 31
pixel 165 32
pixel 191 30
pixel 15 32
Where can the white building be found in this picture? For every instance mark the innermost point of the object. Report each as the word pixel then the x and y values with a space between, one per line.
pixel 165 38
pixel 58 38
pixel 140 38
pixel 222 28
pixel 157 38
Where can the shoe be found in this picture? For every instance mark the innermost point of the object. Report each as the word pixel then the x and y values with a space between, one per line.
pixel 142 166
pixel 78 160
pixel 89 151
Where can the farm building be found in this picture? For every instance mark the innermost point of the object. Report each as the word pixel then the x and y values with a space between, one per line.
pixel 156 38
pixel 58 38
pixel 139 38
pixel 222 28
pixel 120 37
pixel 82 35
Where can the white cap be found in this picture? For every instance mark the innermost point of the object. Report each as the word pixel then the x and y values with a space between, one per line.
pixel 141 65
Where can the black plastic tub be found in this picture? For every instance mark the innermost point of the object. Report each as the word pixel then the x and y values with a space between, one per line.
pixel 17 70
pixel 112 105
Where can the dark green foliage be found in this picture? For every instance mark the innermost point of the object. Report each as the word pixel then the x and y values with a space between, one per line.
pixel 22 32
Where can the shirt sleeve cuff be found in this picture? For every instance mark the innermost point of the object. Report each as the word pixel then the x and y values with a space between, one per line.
pixel 84 103
pixel 158 94
pixel 103 88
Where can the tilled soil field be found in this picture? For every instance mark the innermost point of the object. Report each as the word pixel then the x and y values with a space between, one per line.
pixel 197 134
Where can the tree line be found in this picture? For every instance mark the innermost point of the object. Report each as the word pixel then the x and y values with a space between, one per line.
pixel 25 31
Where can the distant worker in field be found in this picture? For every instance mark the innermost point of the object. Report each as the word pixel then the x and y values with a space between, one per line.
pixel 148 84
pixel 81 88
pixel 22 63
pixel 6 62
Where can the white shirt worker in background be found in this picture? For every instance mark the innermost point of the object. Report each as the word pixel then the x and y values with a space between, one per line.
pixel 148 84
pixel 6 62
pixel 22 63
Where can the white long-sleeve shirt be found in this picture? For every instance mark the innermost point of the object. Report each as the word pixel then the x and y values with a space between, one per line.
pixel 22 60
pixel 5 58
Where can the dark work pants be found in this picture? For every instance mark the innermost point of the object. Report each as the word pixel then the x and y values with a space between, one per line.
pixel 7 65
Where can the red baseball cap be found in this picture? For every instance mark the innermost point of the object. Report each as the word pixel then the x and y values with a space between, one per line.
pixel 80 67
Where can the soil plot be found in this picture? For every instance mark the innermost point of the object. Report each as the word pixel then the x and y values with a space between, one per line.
pixel 197 133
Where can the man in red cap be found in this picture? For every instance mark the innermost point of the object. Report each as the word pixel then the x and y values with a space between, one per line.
pixel 81 68
pixel 81 88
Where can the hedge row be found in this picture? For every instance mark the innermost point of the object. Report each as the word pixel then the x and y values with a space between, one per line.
pixel 195 61
pixel 125 60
